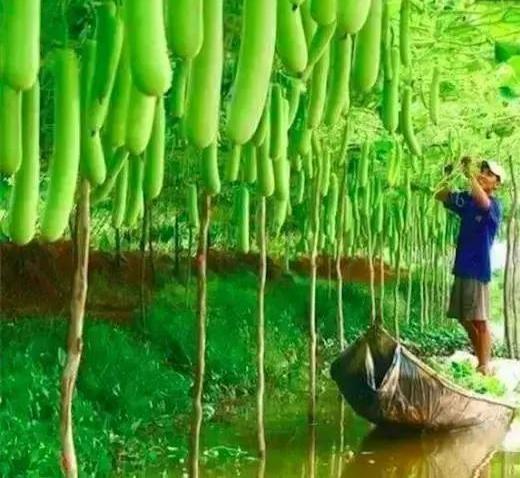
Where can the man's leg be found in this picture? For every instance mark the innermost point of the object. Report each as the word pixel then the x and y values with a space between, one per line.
pixel 474 307
pixel 483 345
pixel 482 329
pixel 480 337
pixel 472 334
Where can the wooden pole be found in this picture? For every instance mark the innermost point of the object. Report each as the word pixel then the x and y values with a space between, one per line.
pixel 396 289
pixel 177 247
pixel 409 287
pixel 510 336
pixel 315 225
pixel 118 246
pixel 514 259
pixel 340 320
pixel 261 331
pixel 75 335
pixel 342 161
pixel 373 309
pixel 188 263
pixel 142 267
pixel 382 278
pixel 151 254
pixel 196 422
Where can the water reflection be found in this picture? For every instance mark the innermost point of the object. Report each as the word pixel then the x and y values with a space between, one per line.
pixel 261 467
pixel 342 445
pixel 461 454
pixel 338 456
pixel 311 452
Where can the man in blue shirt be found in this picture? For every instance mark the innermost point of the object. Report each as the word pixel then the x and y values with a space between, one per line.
pixel 480 214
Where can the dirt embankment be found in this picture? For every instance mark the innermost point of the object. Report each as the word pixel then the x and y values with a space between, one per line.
pixel 36 279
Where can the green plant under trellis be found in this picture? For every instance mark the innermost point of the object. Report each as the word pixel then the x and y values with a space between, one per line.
pixel 464 374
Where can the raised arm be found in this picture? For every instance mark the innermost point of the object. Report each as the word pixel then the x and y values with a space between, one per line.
pixel 479 195
pixel 477 192
pixel 443 194
pixel 444 191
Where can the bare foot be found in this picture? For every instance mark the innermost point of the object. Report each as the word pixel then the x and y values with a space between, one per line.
pixel 485 370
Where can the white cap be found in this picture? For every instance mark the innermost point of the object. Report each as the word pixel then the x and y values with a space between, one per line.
pixel 496 169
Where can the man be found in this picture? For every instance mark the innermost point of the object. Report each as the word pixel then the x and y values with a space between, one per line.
pixel 480 214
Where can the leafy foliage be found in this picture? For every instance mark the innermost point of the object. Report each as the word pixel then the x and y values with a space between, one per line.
pixel 133 396
pixel 463 373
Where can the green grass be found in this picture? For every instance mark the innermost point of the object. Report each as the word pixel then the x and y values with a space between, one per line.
pixel 124 385
pixel 464 374
pixel 132 405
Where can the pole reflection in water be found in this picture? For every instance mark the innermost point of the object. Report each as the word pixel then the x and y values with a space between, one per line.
pixel 261 467
pixel 339 451
pixel 311 452
pixel 458 454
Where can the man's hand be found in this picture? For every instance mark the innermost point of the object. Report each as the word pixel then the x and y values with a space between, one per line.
pixel 477 192
pixel 444 191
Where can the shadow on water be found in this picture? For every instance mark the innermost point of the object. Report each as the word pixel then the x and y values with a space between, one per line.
pixel 342 445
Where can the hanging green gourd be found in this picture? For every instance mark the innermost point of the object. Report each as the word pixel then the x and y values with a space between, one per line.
pixel 367 49
pixel 407 128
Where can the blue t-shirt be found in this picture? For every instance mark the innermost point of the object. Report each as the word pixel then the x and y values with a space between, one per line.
pixel 478 229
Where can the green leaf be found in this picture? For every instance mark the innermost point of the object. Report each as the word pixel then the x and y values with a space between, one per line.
pixel 509 93
pixel 505 50
pixel 514 63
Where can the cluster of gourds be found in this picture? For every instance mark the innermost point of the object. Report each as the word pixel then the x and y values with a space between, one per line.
pixel 298 65
pixel 109 121
pixel 279 123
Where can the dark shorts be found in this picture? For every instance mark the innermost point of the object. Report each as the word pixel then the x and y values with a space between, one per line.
pixel 469 300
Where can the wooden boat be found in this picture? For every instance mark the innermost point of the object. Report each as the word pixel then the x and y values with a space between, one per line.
pixel 388 385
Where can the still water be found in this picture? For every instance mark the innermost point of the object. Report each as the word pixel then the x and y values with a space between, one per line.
pixel 343 445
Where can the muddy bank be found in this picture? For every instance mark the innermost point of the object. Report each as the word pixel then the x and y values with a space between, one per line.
pixel 36 279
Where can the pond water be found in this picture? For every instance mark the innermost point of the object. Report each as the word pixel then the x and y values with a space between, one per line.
pixel 342 445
